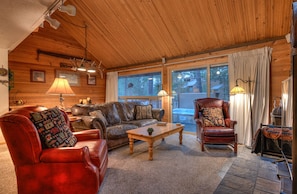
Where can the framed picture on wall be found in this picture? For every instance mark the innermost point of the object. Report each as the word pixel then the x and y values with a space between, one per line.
pixel 91 80
pixel 37 75
pixel 73 78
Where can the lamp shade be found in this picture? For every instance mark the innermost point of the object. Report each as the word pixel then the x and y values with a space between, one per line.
pixel 60 86
pixel 162 93
pixel 237 90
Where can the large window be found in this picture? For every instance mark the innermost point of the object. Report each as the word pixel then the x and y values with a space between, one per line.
pixel 191 84
pixel 141 87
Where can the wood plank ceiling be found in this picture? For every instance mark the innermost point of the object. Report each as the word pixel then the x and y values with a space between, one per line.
pixel 130 32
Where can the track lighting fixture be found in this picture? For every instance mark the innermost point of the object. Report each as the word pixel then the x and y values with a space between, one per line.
pixel 52 22
pixel 69 9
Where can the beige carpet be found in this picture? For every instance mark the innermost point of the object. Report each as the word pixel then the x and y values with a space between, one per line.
pixel 8 179
pixel 175 168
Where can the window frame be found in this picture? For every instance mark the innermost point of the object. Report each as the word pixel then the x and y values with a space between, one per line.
pixel 158 69
pixel 188 66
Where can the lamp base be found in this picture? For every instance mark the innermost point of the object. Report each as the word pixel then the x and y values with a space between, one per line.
pixel 62 102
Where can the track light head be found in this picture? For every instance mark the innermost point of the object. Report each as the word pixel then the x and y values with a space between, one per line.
pixel 69 9
pixel 52 22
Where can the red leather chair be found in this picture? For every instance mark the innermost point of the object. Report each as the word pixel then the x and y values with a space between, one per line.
pixel 78 169
pixel 218 130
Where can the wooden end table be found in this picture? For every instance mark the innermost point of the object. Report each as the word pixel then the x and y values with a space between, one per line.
pixel 160 132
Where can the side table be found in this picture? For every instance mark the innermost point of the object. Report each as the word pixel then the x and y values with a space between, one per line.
pixel 72 120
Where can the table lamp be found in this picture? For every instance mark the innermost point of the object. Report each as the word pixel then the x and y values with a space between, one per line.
pixel 60 87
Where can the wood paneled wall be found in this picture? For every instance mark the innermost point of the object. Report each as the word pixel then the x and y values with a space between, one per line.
pixel 34 93
pixel 280 67
pixel 24 58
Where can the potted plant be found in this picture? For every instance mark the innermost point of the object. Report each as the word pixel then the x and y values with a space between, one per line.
pixel 150 130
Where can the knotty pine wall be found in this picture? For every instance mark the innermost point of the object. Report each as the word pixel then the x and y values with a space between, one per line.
pixel 24 58
pixel 280 67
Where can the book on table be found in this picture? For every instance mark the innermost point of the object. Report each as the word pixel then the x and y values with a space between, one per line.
pixel 161 123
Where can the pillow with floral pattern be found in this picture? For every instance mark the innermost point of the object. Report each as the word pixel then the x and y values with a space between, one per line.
pixel 213 117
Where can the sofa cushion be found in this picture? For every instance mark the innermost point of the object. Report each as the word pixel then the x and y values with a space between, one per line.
pixel 99 114
pixel 126 110
pixel 119 131
pixel 130 110
pixel 52 128
pixel 142 122
pixel 111 114
pixel 213 117
pixel 143 112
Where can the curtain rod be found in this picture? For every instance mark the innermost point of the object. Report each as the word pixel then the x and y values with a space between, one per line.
pixel 173 63
pixel 194 60
pixel 200 53
pixel 138 68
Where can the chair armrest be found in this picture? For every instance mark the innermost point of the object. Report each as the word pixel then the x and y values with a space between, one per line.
pixel 64 155
pixel 199 122
pixel 87 134
pixel 230 123
pixel 158 113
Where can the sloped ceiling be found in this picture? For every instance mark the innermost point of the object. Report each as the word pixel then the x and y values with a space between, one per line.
pixel 127 32
pixel 18 18
pixel 122 33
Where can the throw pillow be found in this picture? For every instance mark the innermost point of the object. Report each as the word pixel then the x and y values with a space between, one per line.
pixel 111 114
pixel 143 112
pixel 99 114
pixel 53 129
pixel 213 117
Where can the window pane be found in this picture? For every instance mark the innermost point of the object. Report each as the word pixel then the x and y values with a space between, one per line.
pixel 146 86
pixel 219 82
pixel 188 85
pixel 139 85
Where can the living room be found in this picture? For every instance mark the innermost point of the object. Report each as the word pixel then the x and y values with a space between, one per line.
pixel 44 49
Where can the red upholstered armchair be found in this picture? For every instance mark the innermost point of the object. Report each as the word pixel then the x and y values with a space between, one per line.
pixel 77 169
pixel 213 124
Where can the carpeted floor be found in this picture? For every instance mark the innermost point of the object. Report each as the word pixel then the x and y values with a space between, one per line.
pixel 8 179
pixel 175 168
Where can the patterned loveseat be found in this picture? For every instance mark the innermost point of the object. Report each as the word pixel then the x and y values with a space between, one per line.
pixel 115 118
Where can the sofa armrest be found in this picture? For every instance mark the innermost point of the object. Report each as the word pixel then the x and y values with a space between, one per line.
pixel 88 134
pixel 65 154
pixel 81 109
pixel 101 125
pixel 158 113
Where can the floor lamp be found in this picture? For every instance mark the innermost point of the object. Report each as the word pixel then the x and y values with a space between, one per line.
pixel 239 90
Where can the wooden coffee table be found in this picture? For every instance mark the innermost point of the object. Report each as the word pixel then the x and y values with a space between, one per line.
pixel 160 132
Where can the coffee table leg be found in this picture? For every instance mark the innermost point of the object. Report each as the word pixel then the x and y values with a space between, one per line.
pixel 131 144
pixel 181 137
pixel 150 150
